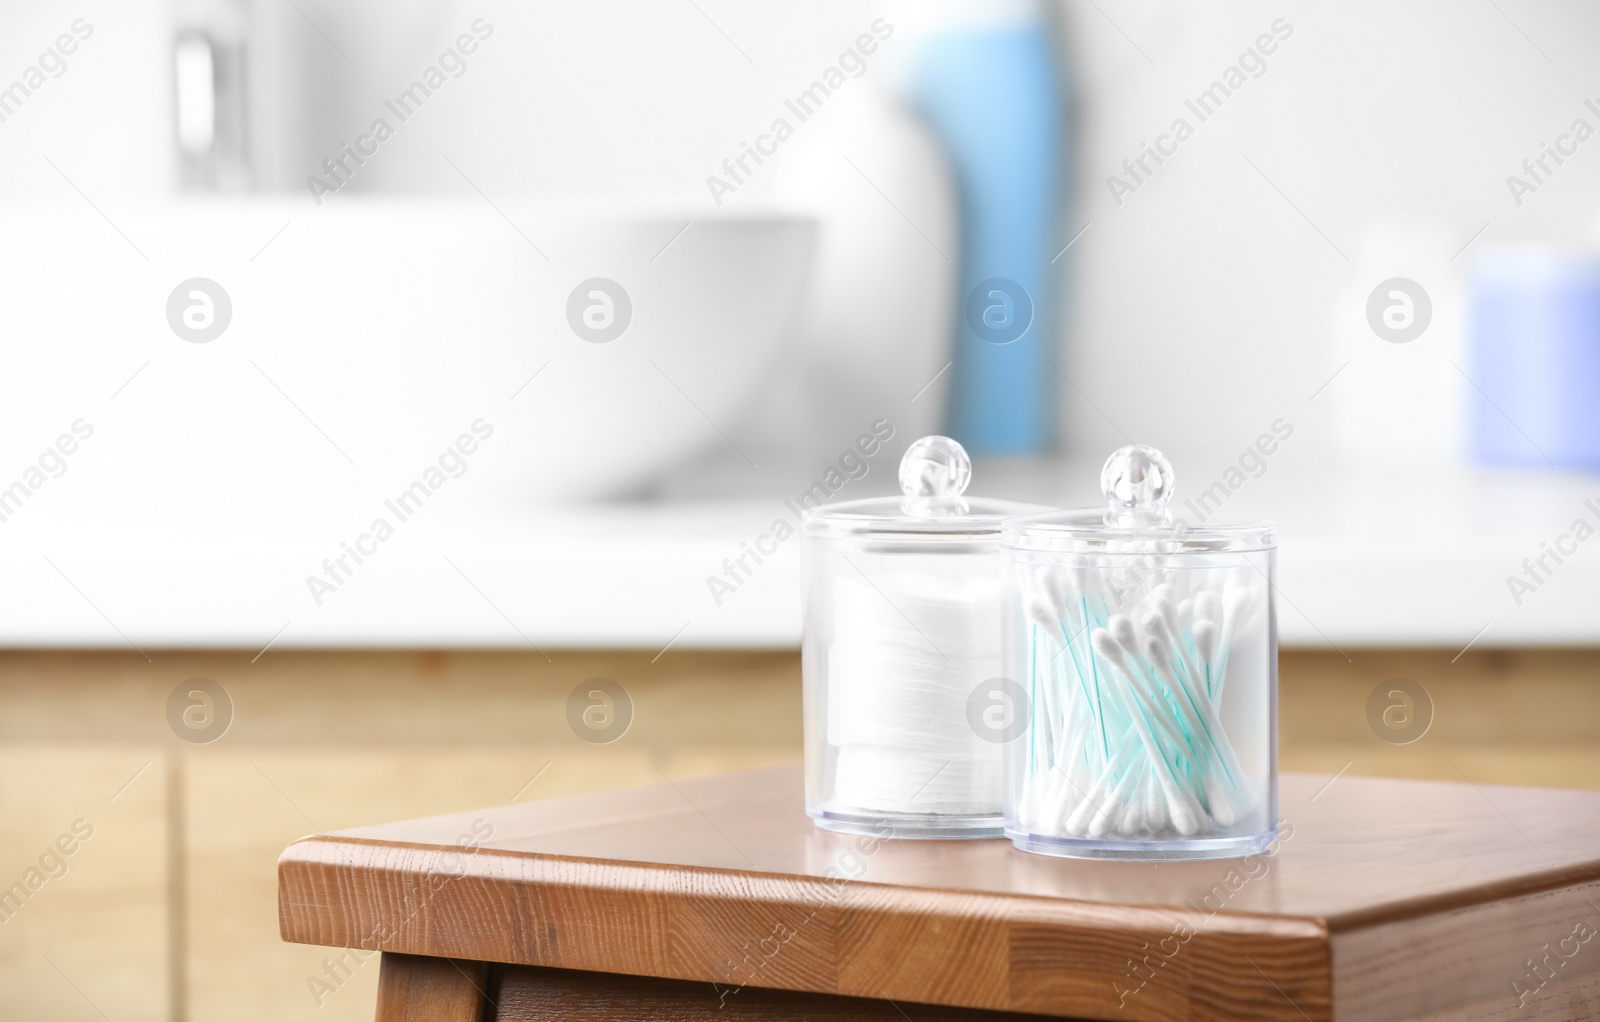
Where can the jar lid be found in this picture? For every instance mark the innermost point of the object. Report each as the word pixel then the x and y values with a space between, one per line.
pixel 1138 483
pixel 934 474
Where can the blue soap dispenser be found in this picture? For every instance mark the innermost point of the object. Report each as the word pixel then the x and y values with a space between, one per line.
pixel 985 77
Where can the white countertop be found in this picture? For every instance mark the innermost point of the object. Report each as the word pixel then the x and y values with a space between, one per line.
pixel 1372 560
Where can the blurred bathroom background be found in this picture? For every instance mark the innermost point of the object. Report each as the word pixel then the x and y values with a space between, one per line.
pixel 618 283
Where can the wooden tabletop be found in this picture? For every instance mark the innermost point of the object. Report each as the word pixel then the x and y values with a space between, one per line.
pixel 1386 899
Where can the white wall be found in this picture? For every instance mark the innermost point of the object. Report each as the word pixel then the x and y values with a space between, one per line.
pixel 105 121
pixel 1206 305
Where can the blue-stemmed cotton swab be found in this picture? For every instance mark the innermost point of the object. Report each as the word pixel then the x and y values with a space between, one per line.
pixel 1102 798
pixel 1146 691
pixel 1112 811
pixel 1182 806
pixel 1205 644
pixel 1052 586
pixel 1059 591
pixel 1041 615
pixel 1155 806
pixel 1200 714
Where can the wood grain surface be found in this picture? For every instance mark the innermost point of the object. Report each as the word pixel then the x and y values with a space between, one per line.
pixel 725 880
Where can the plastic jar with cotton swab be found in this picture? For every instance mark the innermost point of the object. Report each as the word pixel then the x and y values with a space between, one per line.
pixel 1148 649
pixel 906 708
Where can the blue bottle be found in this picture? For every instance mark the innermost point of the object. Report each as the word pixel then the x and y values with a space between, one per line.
pixel 985 79
pixel 1535 354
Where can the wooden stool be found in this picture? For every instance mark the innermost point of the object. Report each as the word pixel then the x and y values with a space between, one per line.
pixel 717 899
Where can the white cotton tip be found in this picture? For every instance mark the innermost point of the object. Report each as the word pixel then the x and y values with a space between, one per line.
pixel 1156 628
pixel 1155 806
pixel 1132 818
pixel 1234 604
pixel 1121 629
pixel 1205 640
pixel 1105 818
pixel 1221 804
pixel 1056 785
pixel 1033 593
pixel 1158 654
pixel 1183 616
pixel 1040 615
pixel 1107 647
pixel 1075 577
pixel 1156 819
pixel 1206 607
pixel 1077 785
pixel 1053 586
pixel 1078 821
pixel 1186 815
pixel 1161 601
pixel 1056 580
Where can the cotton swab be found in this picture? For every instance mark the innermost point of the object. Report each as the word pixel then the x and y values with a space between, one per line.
pixel 1180 804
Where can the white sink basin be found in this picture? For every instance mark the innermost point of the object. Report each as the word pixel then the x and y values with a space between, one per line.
pixel 371 333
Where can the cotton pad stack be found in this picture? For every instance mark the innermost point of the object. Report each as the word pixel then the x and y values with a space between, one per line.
pixel 907 653
pixel 904 613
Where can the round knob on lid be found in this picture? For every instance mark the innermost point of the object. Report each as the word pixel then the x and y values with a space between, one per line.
pixel 1135 476
pixel 935 466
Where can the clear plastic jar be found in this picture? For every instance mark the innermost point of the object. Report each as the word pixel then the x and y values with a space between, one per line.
pixel 1148 649
pixel 900 652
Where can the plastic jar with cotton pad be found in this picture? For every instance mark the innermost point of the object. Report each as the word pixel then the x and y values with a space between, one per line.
pixel 1148 648
pixel 901 656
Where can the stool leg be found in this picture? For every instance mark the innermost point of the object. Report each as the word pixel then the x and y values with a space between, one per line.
pixel 416 988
